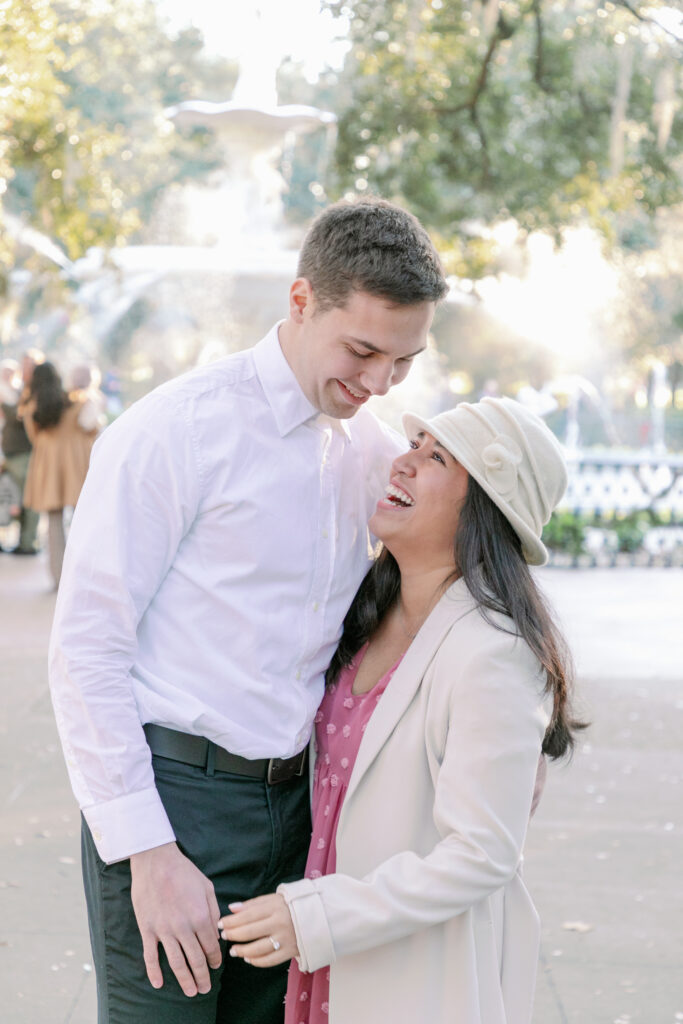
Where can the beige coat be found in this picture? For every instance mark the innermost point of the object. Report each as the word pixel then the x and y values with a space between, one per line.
pixel 427 918
pixel 59 461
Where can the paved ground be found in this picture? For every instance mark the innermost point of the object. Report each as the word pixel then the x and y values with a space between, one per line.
pixel 605 852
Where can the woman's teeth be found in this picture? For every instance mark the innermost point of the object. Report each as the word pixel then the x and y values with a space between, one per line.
pixel 398 497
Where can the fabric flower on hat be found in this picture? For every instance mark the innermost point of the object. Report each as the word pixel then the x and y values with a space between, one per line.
pixel 501 460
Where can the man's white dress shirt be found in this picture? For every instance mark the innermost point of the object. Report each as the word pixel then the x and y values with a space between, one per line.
pixel 218 541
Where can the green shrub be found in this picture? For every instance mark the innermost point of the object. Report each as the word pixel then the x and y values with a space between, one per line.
pixel 631 529
pixel 566 532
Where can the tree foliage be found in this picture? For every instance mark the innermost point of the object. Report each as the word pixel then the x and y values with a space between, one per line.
pixel 85 148
pixel 543 111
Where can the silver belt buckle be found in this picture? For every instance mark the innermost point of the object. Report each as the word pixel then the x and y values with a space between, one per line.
pixel 280 770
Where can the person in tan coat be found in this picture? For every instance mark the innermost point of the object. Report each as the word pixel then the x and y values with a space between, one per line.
pixel 457 681
pixel 62 429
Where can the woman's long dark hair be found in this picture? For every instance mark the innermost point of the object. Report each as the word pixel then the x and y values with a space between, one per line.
pixel 488 556
pixel 51 399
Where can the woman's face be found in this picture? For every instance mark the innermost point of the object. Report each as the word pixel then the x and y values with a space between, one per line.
pixel 419 511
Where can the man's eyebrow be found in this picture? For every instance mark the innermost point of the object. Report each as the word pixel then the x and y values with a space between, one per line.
pixel 374 348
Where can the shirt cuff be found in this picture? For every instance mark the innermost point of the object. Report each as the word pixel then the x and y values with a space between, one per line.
pixel 128 825
pixel 311 927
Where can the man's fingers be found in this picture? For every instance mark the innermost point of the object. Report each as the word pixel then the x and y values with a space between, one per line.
pixel 207 934
pixel 207 938
pixel 175 904
pixel 179 966
pixel 196 959
pixel 150 953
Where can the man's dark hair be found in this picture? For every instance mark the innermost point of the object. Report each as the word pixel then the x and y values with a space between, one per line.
pixel 370 245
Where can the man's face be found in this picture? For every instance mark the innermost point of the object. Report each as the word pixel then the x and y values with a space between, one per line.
pixel 362 349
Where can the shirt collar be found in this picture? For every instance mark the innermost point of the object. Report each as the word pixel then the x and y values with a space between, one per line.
pixel 341 426
pixel 283 392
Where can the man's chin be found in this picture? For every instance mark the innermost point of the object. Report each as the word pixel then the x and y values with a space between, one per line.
pixel 338 409
pixel 347 413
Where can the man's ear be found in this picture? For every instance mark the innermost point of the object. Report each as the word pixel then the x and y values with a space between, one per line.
pixel 300 299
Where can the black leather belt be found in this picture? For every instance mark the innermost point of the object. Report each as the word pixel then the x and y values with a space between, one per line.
pixel 203 753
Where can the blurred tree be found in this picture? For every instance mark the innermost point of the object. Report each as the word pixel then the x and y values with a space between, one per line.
pixel 85 148
pixel 546 112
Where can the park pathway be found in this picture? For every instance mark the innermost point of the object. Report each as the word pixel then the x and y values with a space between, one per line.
pixel 604 855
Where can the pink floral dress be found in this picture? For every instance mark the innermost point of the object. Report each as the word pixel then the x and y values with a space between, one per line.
pixel 339 727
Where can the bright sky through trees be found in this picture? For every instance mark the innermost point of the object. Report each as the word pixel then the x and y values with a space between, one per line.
pixel 266 31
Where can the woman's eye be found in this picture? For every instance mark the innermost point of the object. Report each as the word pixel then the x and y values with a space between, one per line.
pixel 360 355
pixel 413 444
pixel 439 458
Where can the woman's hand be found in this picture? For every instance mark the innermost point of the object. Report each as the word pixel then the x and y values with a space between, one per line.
pixel 261 931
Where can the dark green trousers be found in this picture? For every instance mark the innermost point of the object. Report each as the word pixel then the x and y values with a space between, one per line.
pixel 247 837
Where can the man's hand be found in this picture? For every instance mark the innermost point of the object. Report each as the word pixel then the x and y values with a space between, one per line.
pixel 175 905
pixel 259 926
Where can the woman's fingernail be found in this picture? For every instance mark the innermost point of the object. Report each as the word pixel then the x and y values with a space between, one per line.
pixel 233 952
pixel 235 906
pixel 246 960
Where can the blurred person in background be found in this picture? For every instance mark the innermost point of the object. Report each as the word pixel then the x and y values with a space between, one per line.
pixel 84 385
pixel 16 445
pixel 10 497
pixel 9 376
pixel 62 430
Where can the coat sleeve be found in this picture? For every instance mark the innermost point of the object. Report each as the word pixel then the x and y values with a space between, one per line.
pixel 482 800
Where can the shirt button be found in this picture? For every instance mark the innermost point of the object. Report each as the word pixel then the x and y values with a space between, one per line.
pixel 315 606
pixel 298 673
pixel 97 834
pixel 325 534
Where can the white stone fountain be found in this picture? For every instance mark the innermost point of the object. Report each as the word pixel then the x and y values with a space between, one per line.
pixel 220 274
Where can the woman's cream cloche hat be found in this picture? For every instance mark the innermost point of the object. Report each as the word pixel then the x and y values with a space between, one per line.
pixel 512 454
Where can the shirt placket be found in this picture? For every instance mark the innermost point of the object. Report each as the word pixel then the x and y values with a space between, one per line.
pixel 324 544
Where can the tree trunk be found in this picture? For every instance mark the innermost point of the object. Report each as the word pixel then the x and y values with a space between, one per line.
pixel 620 107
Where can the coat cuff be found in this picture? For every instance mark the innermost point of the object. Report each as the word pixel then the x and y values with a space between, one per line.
pixel 313 935
pixel 128 825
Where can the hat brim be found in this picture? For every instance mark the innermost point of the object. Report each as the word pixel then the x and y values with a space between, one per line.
pixel 533 549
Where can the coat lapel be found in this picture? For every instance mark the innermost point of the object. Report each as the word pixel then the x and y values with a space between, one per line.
pixel 455 603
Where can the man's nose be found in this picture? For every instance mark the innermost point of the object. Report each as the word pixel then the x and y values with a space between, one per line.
pixel 378 378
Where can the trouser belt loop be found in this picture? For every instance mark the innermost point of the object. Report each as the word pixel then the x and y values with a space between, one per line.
pixel 211 758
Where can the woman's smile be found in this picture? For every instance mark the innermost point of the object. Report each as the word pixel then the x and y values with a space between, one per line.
pixel 395 497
